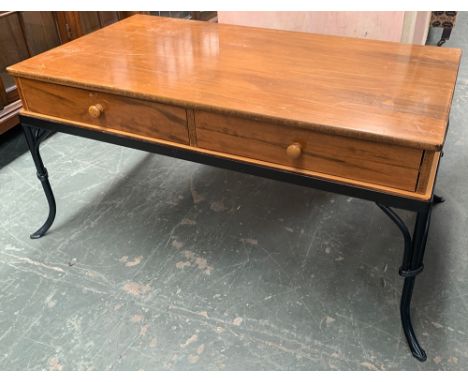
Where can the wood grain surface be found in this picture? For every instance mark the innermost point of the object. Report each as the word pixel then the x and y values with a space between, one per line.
pixel 425 171
pixel 379 163
pixel 372 90
pixel 425 194
pixel 146 118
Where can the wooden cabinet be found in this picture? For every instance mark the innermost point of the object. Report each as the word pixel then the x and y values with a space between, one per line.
pixel 72 25
pixel 22 35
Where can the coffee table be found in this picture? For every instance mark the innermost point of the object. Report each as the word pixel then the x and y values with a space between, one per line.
pixel 356 117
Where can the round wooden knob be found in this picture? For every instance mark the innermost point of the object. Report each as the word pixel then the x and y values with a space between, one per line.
pixel 95 111
pixel 294 150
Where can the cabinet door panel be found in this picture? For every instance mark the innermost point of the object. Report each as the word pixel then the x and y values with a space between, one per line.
pixel 13 46
pixel 41 33
pixel 107 18
pixel 89 21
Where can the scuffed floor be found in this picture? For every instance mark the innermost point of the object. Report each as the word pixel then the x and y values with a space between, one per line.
pixel 157 263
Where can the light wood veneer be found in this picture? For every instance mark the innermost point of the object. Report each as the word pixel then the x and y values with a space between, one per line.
pixel 149 119
pixel 380 163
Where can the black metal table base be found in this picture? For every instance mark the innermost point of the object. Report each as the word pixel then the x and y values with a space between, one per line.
pixel 412 265
pixel 36 130
pixel 34 137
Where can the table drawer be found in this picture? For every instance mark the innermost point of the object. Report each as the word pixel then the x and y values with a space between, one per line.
pixel 302 149
pixel 144 118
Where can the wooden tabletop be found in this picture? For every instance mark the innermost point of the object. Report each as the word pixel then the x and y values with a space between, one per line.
pixel 374 90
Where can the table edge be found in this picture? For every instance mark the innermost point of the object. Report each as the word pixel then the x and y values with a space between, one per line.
pixel 327 129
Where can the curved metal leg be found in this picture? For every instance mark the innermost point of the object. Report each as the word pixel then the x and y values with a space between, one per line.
pixel 414 266
pixel 411 266
pixel 34 137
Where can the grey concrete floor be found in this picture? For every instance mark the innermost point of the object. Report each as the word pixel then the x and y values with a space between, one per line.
pixel 157 263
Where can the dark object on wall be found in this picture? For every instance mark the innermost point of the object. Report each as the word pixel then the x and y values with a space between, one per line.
pixel 446 20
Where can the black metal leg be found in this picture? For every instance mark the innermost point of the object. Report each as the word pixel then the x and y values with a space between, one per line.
pixel 409 271
pixel 437 199
pixel 34 137
pixel 411 266
pixel 445 36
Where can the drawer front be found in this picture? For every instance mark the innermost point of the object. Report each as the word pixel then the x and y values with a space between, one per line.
pixel 143 118
pixel 301 149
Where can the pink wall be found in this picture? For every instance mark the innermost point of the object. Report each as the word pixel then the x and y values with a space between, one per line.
pixel 373 25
